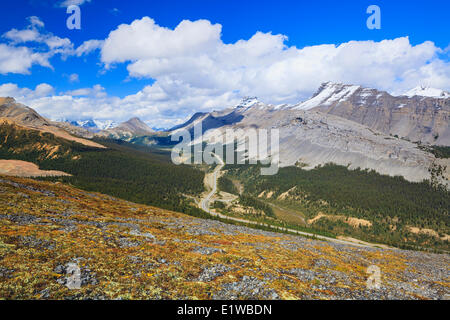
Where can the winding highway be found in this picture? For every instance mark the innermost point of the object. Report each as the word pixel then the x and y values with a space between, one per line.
pixel 204 204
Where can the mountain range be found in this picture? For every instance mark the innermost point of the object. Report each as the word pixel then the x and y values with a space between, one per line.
pixel 88 129
pixel 91 124
pixel 416 116
pixel 347 125
pixel 343 124
pixel 323 143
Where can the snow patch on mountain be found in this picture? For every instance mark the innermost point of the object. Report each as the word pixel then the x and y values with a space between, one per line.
pixel 91 124
pixel 327 94
pixel 422 91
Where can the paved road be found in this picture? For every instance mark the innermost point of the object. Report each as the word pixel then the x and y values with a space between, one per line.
pixel 205 202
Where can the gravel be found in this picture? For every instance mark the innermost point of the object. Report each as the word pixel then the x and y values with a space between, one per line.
pixel 246 288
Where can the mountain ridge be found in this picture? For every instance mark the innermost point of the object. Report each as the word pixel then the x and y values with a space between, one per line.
pixel 422 119
pixel 313 137
pixel 29 118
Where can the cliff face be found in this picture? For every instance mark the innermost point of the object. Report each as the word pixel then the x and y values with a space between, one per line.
pixel 417 118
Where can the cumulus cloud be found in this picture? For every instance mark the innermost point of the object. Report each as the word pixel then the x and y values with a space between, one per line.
pixel 13 90
pixel 96 91
pixel 150 104
pixel 35 33
pixel 25 48
pixel 20 59
pixel 192 57
pixel 195 70
pixel 88 46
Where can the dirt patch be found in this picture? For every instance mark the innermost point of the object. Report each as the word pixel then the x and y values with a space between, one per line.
pixel 354 222
pixel 65 135
pixel 284 195
pixel 429 232
pixel 55 131
pixel 26 169
pixel 266 194
pixel 316 218
pixel 350 239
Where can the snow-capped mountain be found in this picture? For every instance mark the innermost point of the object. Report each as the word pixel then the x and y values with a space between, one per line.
pixel 427 92
pixel 425 119
pixel 313 137
pixel 105 124
pixel 248 102
pixel 93 125
pixel 327 94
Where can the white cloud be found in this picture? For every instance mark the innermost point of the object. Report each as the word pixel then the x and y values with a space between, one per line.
pixel 43 90
pixel 35 33
pixel 66 3
pixel 194 70
pixel 20 59
pixel 15 57
pixel 36 21
pixel 12 90
pixel 150 104
pixel 115 11
pixel 192 59
pixel 21 36
pixel 88 46
pixel 96 91
pixel 74 77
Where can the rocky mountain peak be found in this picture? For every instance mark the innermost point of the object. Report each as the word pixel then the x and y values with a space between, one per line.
pixel 7 100
pixel 137 124
pixel 248 102
pixel 132 128
pixel 327 94
pixel 20 113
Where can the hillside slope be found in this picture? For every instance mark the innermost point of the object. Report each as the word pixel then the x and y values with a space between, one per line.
pixel 26 117
pixel 129 251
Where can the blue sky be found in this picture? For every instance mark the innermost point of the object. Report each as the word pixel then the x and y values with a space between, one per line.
pixel 150 83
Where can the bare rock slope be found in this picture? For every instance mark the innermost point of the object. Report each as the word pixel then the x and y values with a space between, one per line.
pixel 126 130
pixel 19 114
pixel 419 115
pixel 312 137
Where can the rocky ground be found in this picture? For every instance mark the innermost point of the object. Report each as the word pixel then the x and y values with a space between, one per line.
pixel 57 242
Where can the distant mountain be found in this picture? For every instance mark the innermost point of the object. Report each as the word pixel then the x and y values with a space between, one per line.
pixel 417 118
pixel 27 118
pixel 128 130
pixel 92 125
pixel 427 92
pixel 311 137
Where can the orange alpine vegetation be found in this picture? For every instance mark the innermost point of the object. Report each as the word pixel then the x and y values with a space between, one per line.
pixel 130 251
